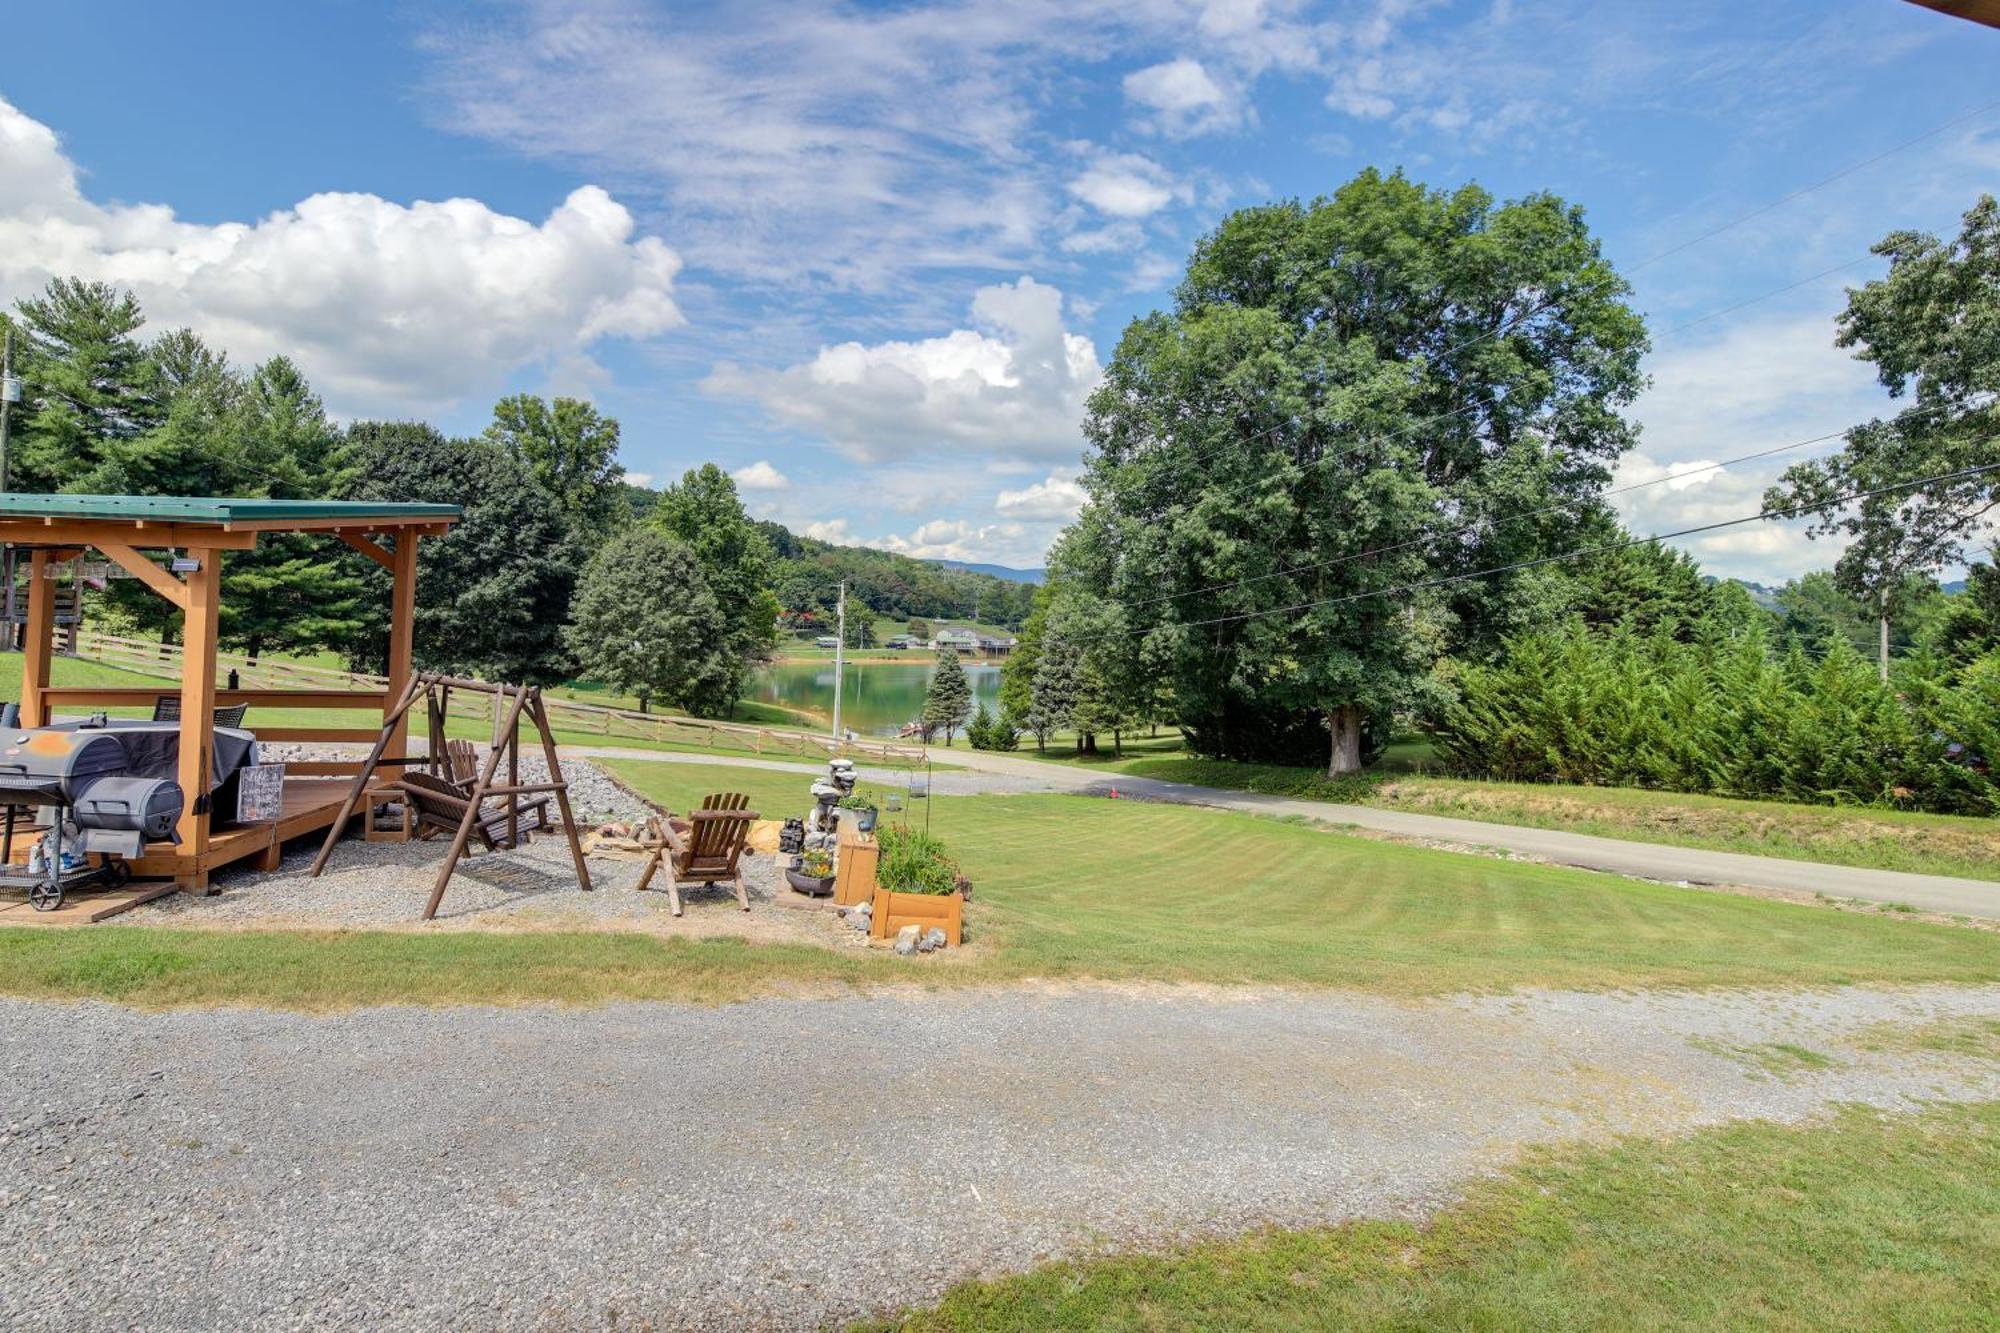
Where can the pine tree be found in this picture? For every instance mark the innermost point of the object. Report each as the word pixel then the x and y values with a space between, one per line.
pixel 949 701
pixel 88 381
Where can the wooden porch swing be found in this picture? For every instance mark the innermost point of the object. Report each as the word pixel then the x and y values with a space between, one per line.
pixel 440 802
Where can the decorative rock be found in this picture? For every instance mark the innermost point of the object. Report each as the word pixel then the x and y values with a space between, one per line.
pixel 906 940
pixel 934 938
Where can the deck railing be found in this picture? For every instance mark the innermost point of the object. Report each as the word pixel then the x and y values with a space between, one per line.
pixel 275 682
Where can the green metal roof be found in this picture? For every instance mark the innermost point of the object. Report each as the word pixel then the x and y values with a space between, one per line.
pixel 212 509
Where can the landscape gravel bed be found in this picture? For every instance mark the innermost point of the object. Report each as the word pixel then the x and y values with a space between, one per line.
pixel 386 884
pixel 790 1163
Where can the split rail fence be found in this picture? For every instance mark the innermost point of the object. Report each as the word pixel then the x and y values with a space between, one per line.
pixel 577 719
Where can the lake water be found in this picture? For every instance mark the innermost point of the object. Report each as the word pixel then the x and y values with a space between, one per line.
pixel 877 698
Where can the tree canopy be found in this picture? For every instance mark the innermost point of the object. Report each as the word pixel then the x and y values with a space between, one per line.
pixel 1348 395
pixel 645 623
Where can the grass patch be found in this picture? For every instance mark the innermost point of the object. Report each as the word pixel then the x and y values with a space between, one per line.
pixel 1778 1059
pixel 1076 888
pixel 1970 1036
pixel 1870 838
pixel 1871 1221
pixel 320 970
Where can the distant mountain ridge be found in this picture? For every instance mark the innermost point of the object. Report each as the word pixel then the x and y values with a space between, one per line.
pixel 1008 572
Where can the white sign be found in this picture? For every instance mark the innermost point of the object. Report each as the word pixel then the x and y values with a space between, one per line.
pixel 260 793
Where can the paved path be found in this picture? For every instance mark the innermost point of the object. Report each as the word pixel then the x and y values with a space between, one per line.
pixel 984 771
pixel 783 1163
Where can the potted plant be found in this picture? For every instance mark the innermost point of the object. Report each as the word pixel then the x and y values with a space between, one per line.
pixel 862 803
pixel 917 884
pixel 811 873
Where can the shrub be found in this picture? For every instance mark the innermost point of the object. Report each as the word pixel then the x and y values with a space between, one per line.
pixel 915 862
pixel 1727 717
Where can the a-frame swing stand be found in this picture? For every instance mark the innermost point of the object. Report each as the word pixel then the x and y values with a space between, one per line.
pixel 436 692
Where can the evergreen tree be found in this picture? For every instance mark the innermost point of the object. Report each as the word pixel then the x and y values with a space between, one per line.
pixel 494 593
pixel 645 624
pixel 87 382
pixel 949 699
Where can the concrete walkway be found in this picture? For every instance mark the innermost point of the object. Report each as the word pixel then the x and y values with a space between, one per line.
pixel 984 772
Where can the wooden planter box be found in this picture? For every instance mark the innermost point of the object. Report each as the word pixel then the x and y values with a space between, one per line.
pixel 857 855
pixel 893 911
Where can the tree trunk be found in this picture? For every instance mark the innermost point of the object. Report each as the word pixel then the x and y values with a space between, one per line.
pixel 645 699
pixel 256 646
pixel 1344 726
pixel 1086 742
pixel 1117 742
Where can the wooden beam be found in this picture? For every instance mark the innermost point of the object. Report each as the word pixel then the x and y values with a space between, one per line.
pixel 370 549
pixel 75 532
pixel 402 632
pixel 148 573
pixel 1978 11
pixel 198 639
pixel 38 643
pixel 317 735
pixel 139 696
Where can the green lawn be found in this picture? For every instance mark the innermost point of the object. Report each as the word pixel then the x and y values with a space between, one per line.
pixel 1873 838
pixel 1079 888
pixel 1871 1221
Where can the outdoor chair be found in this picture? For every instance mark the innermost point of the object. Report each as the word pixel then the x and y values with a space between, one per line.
pixel 462 763
pixel 440 808
pixel 167 708
pixel 705 848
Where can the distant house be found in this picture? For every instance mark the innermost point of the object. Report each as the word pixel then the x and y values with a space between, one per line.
pixel 827 641
pixel 995 647
pixel 898 641
pixel 962 640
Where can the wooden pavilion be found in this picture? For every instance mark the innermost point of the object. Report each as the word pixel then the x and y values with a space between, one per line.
pixel 49 529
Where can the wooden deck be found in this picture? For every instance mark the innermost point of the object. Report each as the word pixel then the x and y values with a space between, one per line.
pixel 310 806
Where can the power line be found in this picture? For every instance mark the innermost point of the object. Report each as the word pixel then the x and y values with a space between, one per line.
pixel 1600 548
pixel 1821 183
pixel 1557 507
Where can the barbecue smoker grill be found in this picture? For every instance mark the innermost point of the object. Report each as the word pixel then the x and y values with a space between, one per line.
pixel 82 774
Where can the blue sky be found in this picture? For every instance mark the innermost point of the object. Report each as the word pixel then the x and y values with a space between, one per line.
pixel 870 258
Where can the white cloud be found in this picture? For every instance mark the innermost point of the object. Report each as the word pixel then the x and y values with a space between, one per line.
pixel 761 476
pixel 1183 98
pixel 1015 383
pixel 1753 386
pixel 386 306
pixel 1054 497
pixel 1125 185
pixel 639 478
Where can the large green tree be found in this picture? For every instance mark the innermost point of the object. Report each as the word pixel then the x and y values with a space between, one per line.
pixel 1347 396
pixel 644 623
pixel 1931 328
pixel 572 451
pixel 492 595
pixel 87 381
pixel 703 512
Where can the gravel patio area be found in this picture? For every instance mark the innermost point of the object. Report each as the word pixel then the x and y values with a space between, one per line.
pixel 785 1163
pixel 379 885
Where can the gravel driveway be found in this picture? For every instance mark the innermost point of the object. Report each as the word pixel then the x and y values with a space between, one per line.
pixel 783 1163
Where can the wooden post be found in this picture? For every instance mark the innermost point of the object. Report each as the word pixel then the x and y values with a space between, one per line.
pixel 397 712
pixel 473 801
pixel 402 631
pixel 38 642
pixel 198 639
pixel 562 791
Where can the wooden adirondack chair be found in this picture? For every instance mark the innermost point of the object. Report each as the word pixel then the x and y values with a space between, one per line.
pixel 705 849
pixel 462 763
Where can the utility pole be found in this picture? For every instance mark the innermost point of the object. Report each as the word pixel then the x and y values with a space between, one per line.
pixel 839 664
pixel 10 392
